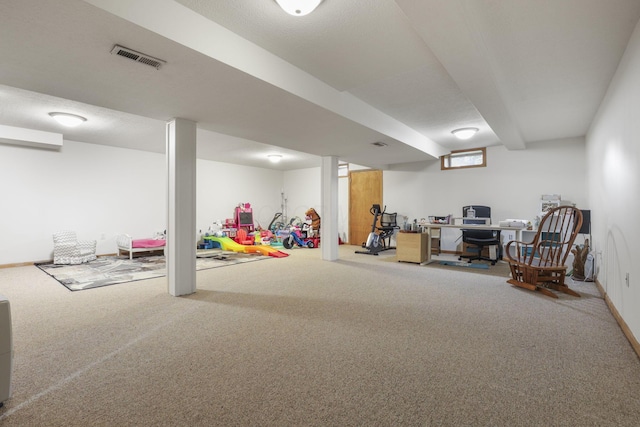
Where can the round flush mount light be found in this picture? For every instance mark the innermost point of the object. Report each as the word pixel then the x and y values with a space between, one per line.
pixel 298 7
pixel 66 119
pixel 274 158
pixel 464 133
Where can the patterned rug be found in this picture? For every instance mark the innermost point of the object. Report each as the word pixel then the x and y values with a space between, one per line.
pixel 112 270
pixel 501 268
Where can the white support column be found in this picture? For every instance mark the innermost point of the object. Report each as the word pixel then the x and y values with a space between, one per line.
pixel 181 215
pixel 329 189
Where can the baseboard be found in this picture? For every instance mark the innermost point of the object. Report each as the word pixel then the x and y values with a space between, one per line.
pixel 623 325
pixel 46 261
pixel 19 264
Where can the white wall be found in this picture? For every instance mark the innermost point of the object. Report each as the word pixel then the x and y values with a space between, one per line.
pixel 511 184
pixel 89 188
pixel 104 191
pixel 302 188
pixel 223 186
pixel 613 158
pixel 98 190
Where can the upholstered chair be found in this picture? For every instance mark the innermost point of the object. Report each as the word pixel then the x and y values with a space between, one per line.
pixel 67 249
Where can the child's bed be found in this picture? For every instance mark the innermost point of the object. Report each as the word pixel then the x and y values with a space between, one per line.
pixel 127 244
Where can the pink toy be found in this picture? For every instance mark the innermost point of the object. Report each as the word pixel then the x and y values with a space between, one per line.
pixel 244 217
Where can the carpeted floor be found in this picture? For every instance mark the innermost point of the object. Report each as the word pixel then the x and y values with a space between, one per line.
pixel 300 341
pixel 112 270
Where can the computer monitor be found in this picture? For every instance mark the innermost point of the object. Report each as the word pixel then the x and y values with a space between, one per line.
pixel 586 222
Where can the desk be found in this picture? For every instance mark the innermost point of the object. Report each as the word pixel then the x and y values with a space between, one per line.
pixel 429 227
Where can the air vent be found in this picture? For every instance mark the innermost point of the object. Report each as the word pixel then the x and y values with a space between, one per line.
pixel 137 56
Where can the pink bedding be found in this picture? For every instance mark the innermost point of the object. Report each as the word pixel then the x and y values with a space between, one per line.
pixel 148 243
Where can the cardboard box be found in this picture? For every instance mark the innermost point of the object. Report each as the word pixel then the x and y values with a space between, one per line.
pixel 472 250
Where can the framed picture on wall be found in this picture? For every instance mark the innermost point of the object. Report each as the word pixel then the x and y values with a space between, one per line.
pixel 548 202
pixel 547 205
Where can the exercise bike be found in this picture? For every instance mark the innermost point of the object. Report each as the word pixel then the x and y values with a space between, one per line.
pixel 380 241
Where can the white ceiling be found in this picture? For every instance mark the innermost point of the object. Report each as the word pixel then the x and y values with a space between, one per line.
pixel 258 81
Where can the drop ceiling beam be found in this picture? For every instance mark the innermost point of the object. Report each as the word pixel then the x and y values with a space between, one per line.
pixel 29 137
pixel 182 25
pixel 449 29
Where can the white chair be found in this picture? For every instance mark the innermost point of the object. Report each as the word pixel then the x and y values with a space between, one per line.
pixel 68 250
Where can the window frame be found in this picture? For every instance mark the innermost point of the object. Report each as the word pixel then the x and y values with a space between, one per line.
pixel 482 150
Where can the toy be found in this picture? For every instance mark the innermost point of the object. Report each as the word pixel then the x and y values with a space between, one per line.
pixel 243 237
pixel 264 237
pixel 243 217
pixel 215 229
pixel 313 219
pixel 275 225
pixel 228 244
pixel 301 236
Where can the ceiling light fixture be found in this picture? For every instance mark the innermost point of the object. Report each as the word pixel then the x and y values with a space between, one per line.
pixel 66 119
pixel 298 7
pixel 274 158
pixel 464 133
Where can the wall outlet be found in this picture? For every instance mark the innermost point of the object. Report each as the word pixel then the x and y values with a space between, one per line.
pixel 626 279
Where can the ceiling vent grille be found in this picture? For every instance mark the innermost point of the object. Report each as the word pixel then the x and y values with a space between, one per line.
pixel 137 56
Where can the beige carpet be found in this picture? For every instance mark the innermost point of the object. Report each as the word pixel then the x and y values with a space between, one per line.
pixel 303 342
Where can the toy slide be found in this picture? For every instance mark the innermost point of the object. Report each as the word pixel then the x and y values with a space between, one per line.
pixel 266 250
pixel 228 244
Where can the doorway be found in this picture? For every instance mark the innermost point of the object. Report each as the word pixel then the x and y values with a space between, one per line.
pixel 365 189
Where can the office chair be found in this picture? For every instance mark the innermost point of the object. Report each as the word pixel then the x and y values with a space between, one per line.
pixel 480 238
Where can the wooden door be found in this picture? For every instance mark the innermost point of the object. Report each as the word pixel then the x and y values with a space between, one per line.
pixel 365 189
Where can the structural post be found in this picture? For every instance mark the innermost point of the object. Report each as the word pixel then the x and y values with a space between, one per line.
pixel 329 189
pixel 181 215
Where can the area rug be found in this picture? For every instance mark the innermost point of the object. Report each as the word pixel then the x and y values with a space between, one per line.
pixel 465 264
pixel 500 269
pixel 111 270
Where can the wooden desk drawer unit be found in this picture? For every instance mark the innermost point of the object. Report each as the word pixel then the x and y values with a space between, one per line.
pixel 412 247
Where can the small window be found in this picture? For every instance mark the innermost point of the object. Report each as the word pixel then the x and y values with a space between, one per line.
pixel 458 159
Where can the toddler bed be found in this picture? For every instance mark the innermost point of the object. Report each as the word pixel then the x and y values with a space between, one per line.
pixel 127 244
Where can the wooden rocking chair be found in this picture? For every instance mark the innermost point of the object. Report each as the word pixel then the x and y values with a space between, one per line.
pixel 540 264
